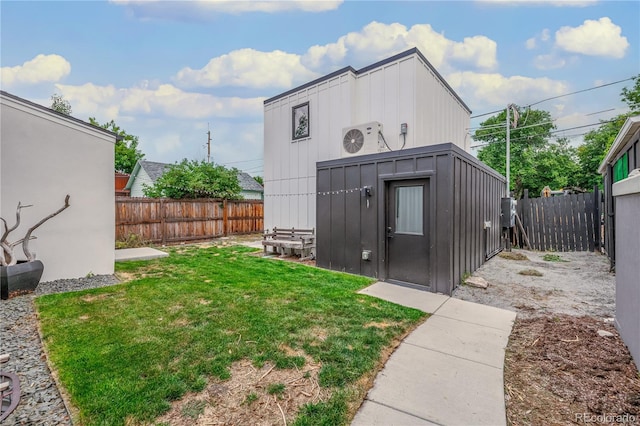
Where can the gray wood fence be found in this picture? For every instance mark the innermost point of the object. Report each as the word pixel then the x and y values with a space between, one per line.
pixel 561 223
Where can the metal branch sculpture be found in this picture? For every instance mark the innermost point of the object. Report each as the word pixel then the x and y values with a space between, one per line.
pixel 7 256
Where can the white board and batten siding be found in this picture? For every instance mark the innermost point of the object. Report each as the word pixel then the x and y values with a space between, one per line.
pixel 401 89
pixel 137 187
pixel 291 165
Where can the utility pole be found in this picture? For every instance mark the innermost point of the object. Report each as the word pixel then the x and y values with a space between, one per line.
pixel 208 146
pixel 516 116
pixel 508 149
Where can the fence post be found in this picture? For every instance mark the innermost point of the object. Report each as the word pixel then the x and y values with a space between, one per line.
pixel 225 218
pixel 163 223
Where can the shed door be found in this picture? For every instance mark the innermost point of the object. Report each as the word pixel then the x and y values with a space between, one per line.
pixel 407 226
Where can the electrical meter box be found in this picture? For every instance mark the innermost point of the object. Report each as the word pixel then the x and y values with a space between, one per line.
pixel 508 212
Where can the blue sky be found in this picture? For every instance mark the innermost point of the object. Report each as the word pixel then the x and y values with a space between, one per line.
pixel 168 70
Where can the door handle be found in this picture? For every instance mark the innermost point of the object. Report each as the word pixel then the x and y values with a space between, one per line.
pixel 389 232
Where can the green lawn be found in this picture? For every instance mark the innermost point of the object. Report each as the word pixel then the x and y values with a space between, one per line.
pixel 124 352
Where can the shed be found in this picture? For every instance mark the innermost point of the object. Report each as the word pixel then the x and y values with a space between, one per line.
pixel 121 183
pixel 45 155
pixel 622 158
pixel 422 217
pixel 622 199
pixel 397 103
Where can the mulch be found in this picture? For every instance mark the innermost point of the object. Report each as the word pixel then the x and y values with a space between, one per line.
pixel 559 370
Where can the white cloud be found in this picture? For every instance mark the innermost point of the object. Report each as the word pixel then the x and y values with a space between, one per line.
pixel 377 41
pixel 549 62
pixel 545 35
pixel 256 69
pixel 248 68
pixel 208 9
pixel 531 43
pixel 595 38
pixel 167 143
pixel 42 68
pixel 484 90
pixel 109 102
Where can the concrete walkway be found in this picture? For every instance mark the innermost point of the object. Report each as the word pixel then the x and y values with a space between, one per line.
pixel 141 253
pixel 448 371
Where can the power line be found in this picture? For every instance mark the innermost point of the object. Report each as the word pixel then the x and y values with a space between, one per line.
pixel 581 91
pixel 243 161
pixel 550 133
pixel 559 96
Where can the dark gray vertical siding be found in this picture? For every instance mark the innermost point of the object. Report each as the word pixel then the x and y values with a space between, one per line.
pixel 352 220
pixel 369 220
pixel 338 219
pixel 323 219
pixel 464 194
pixel 457 217
pixel 475 191
pixel 444 211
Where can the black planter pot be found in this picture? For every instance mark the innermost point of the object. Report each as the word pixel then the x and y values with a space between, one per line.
pixel 22 276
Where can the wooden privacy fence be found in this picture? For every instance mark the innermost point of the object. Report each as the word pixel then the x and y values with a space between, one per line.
pixel 562 223
pixel 171 221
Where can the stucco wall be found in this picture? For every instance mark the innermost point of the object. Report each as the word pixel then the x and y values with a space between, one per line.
pixel 627 243
pixel 44 157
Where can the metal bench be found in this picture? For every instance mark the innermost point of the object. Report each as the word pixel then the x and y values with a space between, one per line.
pixel 291 240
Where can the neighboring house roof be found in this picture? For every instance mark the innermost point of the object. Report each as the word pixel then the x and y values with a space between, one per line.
pixel 369 68
pixel 628 130
pixel 59 114
pixel 247 183
pixel 155 170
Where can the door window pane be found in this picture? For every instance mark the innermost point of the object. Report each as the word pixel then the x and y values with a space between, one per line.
pixel 409 210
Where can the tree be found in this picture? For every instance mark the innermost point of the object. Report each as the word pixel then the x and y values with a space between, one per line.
pixel 535 160
pixel 196 179
pixel 598 142
pixel 259 179
pixel 60 104
pixel 127 152
pixel 7 256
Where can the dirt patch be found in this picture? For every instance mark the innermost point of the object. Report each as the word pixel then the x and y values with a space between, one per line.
pixel 512 255
pixel 296 258
pixel 579 284
pixel 380 325
pixel 531 272
pixel 256 396
pixel 559 370
pixel 89 298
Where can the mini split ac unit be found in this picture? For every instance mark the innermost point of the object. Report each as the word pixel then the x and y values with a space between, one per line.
pixel 362 139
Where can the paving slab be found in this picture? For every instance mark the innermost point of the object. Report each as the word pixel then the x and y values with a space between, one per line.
pixel 478 314
pixel 374 414
pixel 405 296
pixel 473 342
pixel 440 388
pixel 140 253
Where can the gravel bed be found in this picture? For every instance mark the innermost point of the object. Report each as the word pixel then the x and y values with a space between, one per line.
pixel 40 402
pixel 577 283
